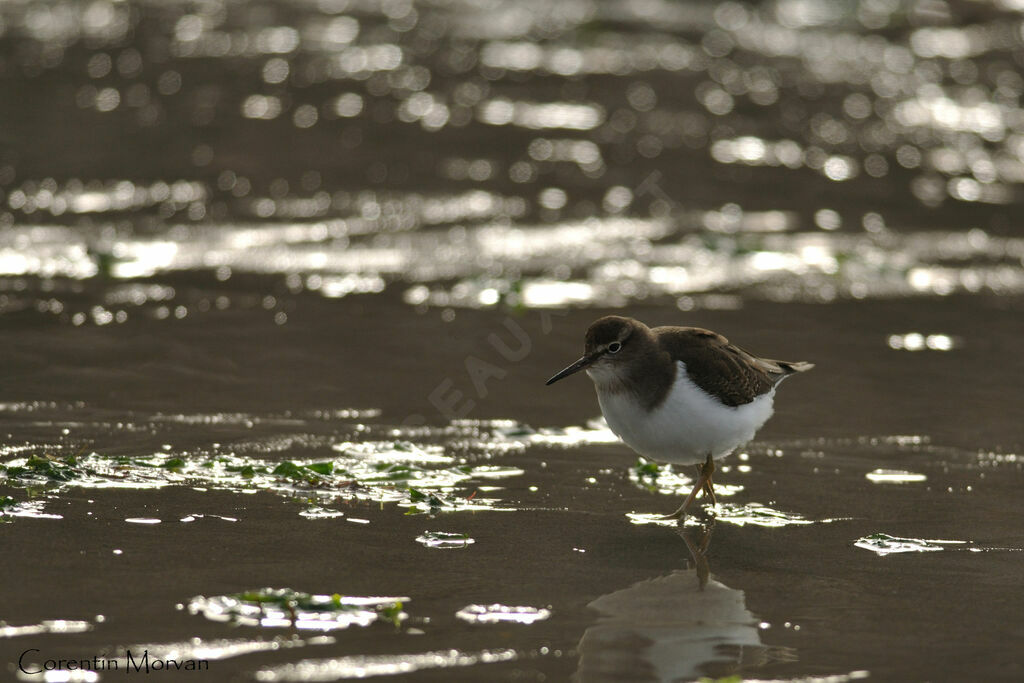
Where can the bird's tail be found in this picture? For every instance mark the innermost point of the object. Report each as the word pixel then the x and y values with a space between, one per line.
pixel 791 368
pixel 781 369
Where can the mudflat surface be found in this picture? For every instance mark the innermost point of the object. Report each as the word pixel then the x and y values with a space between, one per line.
pixel 280 286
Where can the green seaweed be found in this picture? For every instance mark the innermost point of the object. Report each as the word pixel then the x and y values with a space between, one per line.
pixel 312 474
pixel 393 613
pixel 646 468
pixel 321 467
pixel 289 470
pixel 42 467
pixel 380 471
pixel 430 499
pixel 394 472
pixel 336 610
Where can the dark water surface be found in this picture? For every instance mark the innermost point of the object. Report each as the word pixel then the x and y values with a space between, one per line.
pixel 280 284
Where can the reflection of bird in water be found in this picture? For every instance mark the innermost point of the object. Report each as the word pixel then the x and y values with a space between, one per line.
pixel 674 627
pixel 682 395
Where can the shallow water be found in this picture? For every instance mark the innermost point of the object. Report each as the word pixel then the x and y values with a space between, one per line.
pixel 280 284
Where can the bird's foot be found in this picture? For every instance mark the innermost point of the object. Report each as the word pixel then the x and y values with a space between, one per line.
pixel 674 516
pixel 709 492
pixel 702 485
pixel 705 473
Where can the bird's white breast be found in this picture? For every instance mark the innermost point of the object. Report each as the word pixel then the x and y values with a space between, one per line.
pixel 687 426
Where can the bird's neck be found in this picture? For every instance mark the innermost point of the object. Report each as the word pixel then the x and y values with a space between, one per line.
pixel 648 379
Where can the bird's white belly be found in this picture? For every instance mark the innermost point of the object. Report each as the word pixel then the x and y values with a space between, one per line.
pixel 687 426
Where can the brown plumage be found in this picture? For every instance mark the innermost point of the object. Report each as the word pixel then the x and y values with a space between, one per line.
pixel 723 370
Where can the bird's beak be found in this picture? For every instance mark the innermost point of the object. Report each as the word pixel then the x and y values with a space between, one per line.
pixel 574 368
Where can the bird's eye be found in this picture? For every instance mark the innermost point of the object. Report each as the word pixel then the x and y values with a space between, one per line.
pixel 614 347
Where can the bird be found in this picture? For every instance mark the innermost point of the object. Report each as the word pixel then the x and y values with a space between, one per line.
pixel 680 395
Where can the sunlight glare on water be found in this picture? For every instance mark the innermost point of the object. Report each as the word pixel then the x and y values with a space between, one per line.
pixel 52 626
pixel 270 608
pixel 444 540
pixel 365 666
pixel 494 614
pixel 884 544
pixel 200 648
pixel 931 109
pixel 882 476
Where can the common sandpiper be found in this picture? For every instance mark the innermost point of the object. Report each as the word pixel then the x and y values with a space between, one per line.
pixel 681 395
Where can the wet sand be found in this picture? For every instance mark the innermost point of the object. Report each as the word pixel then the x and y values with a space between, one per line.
pixel 797 599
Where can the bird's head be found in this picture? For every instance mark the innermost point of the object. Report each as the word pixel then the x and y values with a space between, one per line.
pixel 610 343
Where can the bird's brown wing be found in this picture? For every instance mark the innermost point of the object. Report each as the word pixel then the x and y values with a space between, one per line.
pixel 723 370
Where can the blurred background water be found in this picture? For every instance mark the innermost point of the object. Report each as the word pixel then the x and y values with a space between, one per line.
pixel 235 233
pixel 471 154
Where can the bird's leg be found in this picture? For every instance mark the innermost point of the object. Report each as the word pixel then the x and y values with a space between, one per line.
pixel 706 470
pixel 704 473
